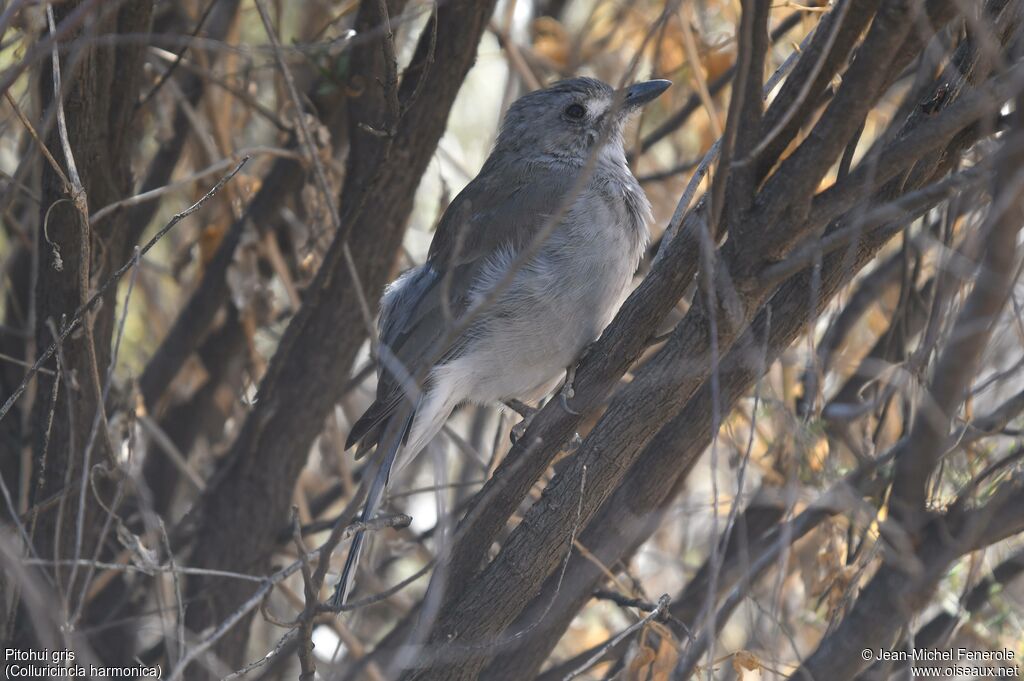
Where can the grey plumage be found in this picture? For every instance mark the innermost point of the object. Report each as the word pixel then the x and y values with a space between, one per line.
pixel 555 305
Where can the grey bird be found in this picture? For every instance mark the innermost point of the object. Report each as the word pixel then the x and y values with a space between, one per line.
pixel 558 170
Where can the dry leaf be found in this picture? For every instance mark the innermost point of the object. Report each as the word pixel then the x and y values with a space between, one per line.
pixel 641 659
pixel 745 661
pixel 551 41
pixel 650 664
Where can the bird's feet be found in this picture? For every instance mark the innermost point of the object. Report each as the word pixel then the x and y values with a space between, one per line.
pixel 524 410
pixel 568 391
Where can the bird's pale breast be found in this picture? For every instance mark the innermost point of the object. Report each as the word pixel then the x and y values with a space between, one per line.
pixel 558 303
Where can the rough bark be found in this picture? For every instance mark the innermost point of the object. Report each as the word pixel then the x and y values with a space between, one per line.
pixel 101 139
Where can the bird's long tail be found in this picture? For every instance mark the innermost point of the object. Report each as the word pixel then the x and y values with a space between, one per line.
pixel 395 433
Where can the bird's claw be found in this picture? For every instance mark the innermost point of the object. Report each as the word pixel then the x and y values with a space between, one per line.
pixel 519 430
pixel 568 391
pixel 566 394
pixel 520 407
pixel 524 410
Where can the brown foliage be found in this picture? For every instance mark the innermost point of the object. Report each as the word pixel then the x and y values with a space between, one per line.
pixel 800 426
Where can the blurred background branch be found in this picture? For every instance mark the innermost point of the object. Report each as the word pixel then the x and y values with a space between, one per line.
pixel 803 425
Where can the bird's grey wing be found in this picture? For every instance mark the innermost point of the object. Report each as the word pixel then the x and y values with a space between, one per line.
pixel 490 215
pixel 494 217
pixel 398 325
pixel 497 210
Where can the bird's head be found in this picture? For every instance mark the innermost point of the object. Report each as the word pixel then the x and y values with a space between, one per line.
pixel 568 119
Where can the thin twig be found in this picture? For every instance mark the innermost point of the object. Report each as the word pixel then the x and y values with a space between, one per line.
pixel 285 641
pixel 78 196
pixel 43 149
pixel 311 590
pixel 658 611
pixel 177 58
pixel 180 615
pixel 128 567
pixel 76 318
pixel 166 444
pixel 99 421
pixel 212 169
pixel 690 47
pixel 268 584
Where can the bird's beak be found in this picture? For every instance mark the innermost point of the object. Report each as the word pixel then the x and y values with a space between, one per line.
pixel 638 94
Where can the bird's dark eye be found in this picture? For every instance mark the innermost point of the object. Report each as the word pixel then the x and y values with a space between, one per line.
pixel 575 111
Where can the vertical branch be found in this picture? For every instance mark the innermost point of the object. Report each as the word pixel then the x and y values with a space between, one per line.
pixel 958 363
pixel 744 121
